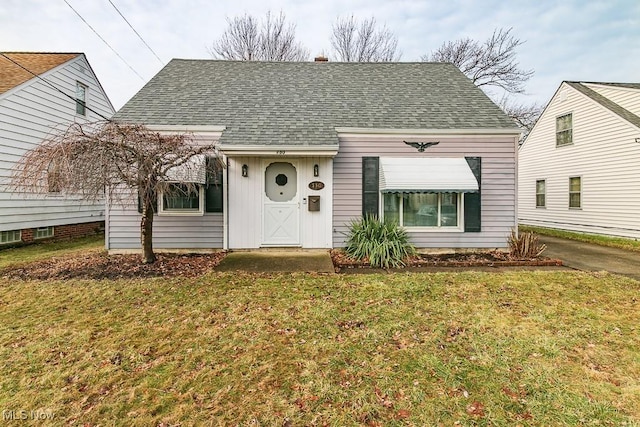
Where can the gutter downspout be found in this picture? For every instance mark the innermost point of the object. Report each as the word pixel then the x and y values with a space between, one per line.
pixel 107 210
pixel 225 208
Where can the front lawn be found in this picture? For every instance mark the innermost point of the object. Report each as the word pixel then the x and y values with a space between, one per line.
pixel 520 348
pixel 44 250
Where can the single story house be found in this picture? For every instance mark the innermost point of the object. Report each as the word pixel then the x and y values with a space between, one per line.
pixel 42 93
pixel 578 168
pixel 308 147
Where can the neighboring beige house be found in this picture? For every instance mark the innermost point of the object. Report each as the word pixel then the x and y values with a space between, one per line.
pixel 579 168
pixel 310 146
pixel 41 93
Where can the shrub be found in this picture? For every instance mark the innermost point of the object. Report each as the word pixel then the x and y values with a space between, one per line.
pixel 525 245
pixel 384 244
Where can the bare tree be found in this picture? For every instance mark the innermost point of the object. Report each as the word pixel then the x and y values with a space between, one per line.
pixel 492 63
pixel 363 41
pixel 101 159
pixel 247 39
pixel 525 115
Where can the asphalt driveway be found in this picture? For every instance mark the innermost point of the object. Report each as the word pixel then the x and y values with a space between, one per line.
pixel 590 257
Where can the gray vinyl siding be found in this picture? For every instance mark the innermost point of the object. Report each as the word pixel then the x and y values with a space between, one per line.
pixel 169 232
pixel 498 186
pixel 29 114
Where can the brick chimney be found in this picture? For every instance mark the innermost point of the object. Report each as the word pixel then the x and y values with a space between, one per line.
pixel 321 58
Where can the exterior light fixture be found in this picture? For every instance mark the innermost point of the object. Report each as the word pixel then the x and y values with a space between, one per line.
pixel 245 170
pixel 316 170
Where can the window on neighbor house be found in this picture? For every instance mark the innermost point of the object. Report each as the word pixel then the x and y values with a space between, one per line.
pixel 575 190
pixel 564 130
pixel 11 236
pixel 81 99
pixel 181 200
pixel 441 210
pixel 541 193
pixel 43 232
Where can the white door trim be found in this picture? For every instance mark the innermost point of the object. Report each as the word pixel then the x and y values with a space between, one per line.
pixel 294 204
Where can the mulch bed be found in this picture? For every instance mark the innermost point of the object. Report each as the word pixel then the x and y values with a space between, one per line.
pixel 464 259
pixel 99 265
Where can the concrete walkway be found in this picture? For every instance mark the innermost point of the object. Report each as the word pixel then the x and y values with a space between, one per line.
pixel 590 257
pixel 575 255
pixel 278 262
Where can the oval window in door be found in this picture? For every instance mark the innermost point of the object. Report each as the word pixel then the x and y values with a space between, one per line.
pixel 281 183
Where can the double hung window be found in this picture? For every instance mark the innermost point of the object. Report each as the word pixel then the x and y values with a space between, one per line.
pixel 564 130
pixel 81 99
pixel 183 199
pixel 575 190
pixel 541 193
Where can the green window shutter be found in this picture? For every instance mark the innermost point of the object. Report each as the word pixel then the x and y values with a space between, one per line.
pixel 213 192
pixel 472 201
pixel 370 186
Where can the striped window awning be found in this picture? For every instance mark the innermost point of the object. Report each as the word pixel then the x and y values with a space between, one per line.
pixel 194 170
pixel 426 175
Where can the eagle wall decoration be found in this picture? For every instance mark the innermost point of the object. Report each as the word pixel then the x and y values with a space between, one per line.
pixel 421 146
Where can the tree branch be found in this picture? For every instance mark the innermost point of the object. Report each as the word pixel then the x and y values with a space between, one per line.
pixel 247 39
pixel 363 41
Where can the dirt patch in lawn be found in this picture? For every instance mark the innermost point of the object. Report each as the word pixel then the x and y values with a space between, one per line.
pixel 99 265
pixel 342 261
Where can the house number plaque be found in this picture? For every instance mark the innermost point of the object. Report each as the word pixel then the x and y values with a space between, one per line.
pixel 316 185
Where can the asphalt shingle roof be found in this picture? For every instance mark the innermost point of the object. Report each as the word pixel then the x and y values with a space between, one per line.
pixel 625 85
pixel 301 103
pixel 11 75
pixel 606 102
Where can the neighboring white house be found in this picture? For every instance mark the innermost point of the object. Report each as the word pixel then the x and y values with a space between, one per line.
pixel 579 168
pixel 310 146
pixel 39 94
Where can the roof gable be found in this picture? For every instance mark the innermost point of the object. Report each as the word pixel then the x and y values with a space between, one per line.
pixel 606 102
pixel 617 85
pixel 12 75
pixel 301 103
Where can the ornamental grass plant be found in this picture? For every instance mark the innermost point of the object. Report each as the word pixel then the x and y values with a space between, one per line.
pixel 383 243
pixel 525 245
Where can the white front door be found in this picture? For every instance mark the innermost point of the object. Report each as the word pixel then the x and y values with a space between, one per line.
pixel 281 209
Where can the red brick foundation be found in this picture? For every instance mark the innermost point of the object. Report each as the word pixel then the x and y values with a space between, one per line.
pixel 27 235
pixel 64 232
pixel 78 230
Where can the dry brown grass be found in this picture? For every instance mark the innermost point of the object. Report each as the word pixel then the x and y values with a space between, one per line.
pixel 396 349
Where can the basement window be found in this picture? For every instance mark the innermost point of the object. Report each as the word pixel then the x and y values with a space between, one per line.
pixel 43 232
pixel 12 236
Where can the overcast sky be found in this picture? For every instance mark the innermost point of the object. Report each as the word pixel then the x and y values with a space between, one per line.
pixel 585 40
